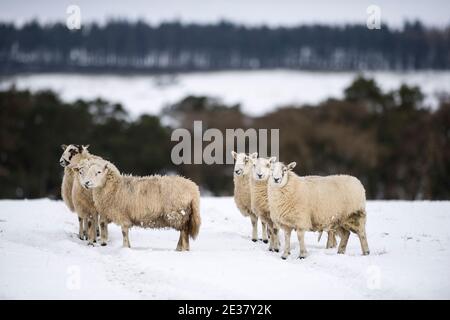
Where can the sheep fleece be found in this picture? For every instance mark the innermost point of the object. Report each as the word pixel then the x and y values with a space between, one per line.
pixel 242 196
pixel 66 188
pixel 152 201
pixel 316 203
pixel 259 200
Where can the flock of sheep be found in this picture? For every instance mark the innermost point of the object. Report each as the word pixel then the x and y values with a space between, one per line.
pixel 263 189
pixel 270 191
pixel 99 194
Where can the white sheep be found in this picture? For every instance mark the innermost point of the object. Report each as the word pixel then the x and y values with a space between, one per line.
pixel 242 196
pixel 303 204
pixel 260 172
pixel 79 199
pixel 152 201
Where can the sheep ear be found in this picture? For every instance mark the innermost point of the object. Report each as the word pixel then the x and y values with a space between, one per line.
pixel 106 167
pixel 64 147
pixel 254 155
pixel 291 165
pixel 272 160
pixel 234 154
pixel 86 146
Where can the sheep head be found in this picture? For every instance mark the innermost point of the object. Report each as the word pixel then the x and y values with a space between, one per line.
pixel 92 173
pixel 71 154
pixel 261 168
pixel 243 162
pixel 280 173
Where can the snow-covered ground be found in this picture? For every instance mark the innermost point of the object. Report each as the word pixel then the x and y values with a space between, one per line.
pixel 257 91
pixel 41 257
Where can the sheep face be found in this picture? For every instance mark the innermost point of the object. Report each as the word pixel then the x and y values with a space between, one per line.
pixel 261 168
pixel 279 173
pixel 243 163
pixel 92 174
pixel 71 154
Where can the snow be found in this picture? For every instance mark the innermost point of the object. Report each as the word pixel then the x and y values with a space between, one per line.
pixel 257 91
pixel 41 257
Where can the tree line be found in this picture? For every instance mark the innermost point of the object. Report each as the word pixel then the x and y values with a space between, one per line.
pixel 398 148
pixel 137 46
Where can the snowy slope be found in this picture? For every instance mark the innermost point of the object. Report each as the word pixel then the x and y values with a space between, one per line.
pixel 41 257
pixel 258 91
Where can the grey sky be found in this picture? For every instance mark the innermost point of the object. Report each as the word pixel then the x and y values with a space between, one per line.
pixel 252 12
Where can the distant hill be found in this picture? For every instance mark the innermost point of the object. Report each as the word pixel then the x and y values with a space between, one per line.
pixel 121 46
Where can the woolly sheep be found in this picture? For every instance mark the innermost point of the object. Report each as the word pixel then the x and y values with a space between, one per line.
pixel 79 199
pixel 242 196
pixel 303 204
pixel 151 201
pixel 260 172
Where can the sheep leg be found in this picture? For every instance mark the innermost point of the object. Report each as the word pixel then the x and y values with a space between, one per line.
pixel 271 238
pixel 287 243
pixel 301 240
pixel 363 239
pixel 80 229
pixel 331 241
pixel 91 230
pixel 94 227
pixel 185 240
pixel 85 228
pixel 106 228
pixel 345 234
pixel 180 242
pixel 276 241
pixel 97 225
pixel 103 231
pixel 126 240
pixel 254 220
pixel 264 232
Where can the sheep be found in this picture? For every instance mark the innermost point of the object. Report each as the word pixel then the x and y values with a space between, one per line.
pixel 260 172
pixel 77 198
pixel 335 203
pixel 242 197
pixel 151 201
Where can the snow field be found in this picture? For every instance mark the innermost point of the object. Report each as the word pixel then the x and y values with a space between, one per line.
pixel 42 257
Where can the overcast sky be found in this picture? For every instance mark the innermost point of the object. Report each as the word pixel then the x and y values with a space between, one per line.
pixel 250 12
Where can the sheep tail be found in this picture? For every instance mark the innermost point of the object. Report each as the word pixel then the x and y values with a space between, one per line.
pixel 320 236
pixel 194 219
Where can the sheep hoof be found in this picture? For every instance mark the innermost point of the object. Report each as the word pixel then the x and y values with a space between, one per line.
pixel 270 249
pixel 301 257
pixel 90 244
pixel 266 241
pixel 254 240
pixel 276 250
pixel 283 257
pixel 366 253
pixel 103 244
